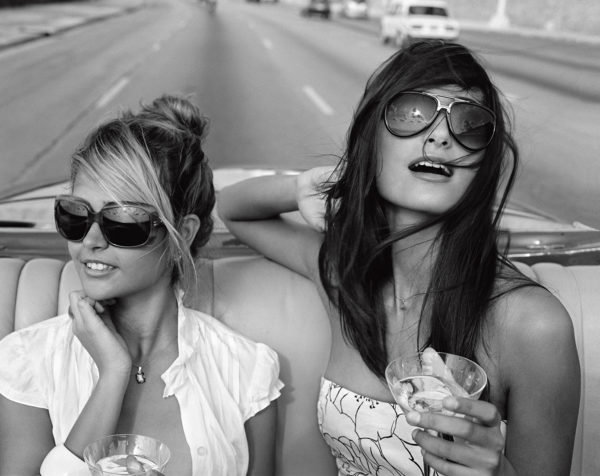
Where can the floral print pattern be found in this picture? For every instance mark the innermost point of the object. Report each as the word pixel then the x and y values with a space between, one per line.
pixel 367 437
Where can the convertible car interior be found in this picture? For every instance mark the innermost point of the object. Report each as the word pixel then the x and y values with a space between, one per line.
pixel 273 305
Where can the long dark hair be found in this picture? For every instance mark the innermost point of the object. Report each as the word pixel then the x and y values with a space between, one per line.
pixel 355 259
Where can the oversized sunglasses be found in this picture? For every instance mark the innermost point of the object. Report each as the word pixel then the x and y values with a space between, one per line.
pixel 125 225
pixel 411 112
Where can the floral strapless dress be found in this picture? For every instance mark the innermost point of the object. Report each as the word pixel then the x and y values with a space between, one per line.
pixel 366 436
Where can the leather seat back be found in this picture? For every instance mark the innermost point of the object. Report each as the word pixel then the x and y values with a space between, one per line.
pixel 273 305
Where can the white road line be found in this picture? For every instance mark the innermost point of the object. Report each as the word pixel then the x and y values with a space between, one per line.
pixel 267 43
pixel 112 92
pixel 318 100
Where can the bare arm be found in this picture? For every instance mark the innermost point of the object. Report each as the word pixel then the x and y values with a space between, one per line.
pixel 25 438
pixel 252 211
pixel 93 327
pixel 261 433
pixel 543 374
pixel 99 417
pixel 540 377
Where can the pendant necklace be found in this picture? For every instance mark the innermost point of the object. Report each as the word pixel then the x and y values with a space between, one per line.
pixel 140 377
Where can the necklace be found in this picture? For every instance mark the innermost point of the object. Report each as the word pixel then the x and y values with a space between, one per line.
pixel 403 302
pixel 140 377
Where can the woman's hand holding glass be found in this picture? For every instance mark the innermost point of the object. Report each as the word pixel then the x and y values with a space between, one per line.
pixel 438 392
pixel 94 328
pixel 476 441
pixel 309 194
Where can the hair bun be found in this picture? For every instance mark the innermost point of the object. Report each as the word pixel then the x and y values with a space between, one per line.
pixel 180 112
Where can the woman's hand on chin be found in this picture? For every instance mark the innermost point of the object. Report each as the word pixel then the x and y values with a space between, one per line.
pixel 93 326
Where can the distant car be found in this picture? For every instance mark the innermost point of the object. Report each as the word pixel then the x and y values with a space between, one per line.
pixel 355 9
pixel 320 8
pixel 406 20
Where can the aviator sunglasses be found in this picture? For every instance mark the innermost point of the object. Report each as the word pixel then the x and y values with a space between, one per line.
pixel 411 112
pixel 125 224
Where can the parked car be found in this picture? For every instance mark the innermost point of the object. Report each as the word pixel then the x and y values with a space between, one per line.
pixel 355 9
pixel 320 8
pixel 407 20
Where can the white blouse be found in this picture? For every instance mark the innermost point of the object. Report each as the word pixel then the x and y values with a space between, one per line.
pixel 220 380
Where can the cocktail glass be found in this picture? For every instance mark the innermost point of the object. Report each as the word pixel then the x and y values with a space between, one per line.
pixel 419 382
pixel 127 454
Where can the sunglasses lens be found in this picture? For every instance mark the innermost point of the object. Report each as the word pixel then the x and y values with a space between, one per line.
pixel 126 225
pixel 71 219
pixel 472 126
pixel 409 113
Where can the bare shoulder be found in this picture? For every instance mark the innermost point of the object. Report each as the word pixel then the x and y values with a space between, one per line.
pixel 532 313
pixel 534 334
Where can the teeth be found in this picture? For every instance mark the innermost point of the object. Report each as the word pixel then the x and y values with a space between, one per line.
pixel 426 164
pixel 98 266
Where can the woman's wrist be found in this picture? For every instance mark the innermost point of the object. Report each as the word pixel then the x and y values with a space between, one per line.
pixel 111 380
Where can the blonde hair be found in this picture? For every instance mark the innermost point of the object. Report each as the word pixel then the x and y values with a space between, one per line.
pixel 155 157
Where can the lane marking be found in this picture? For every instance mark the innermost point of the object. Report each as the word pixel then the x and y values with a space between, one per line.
pixel 318 101
pixel 111 93
pixel 267 43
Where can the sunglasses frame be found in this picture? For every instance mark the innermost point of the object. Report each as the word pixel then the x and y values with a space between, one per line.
pixel 97 217
pixel 447 109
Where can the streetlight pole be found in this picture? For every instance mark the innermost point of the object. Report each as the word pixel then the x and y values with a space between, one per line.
pixel 500 19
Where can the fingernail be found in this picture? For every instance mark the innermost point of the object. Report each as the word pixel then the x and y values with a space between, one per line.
pixel 413 418
pixel 451 403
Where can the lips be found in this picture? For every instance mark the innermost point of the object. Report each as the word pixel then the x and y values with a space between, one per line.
pixel 430 167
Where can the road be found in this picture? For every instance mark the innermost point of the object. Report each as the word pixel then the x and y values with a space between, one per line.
pixel 280 90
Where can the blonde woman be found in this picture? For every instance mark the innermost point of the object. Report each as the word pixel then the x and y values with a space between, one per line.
pixel 129 357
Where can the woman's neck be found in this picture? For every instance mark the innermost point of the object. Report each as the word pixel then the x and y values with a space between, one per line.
pixel 412 261
pixel 413 256
pixel 147 322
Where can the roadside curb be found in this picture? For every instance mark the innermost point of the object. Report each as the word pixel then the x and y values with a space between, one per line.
pixel 532 33
pixel 58 25
pixel 372 26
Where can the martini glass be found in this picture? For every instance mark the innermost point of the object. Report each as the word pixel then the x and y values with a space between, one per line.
pixel 127 454
pixel 419 382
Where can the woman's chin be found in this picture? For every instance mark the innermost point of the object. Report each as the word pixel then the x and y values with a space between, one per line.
pixel 100 295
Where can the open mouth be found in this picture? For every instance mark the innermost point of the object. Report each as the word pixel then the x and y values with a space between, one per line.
pixel 428 167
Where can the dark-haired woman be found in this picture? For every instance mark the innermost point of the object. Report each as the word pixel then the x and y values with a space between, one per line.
pixel 405 257
pixel 129 357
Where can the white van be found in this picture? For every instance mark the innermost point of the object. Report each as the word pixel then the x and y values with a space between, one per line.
pixel 407 20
